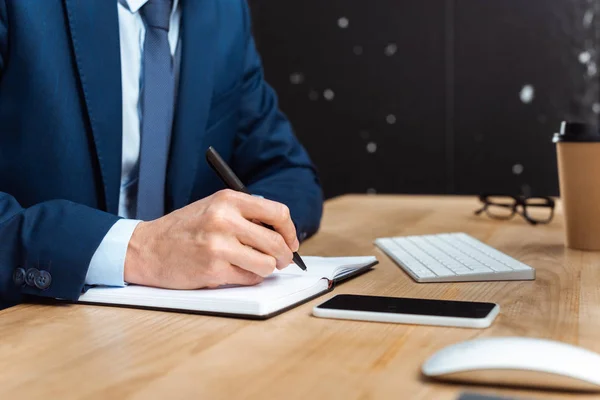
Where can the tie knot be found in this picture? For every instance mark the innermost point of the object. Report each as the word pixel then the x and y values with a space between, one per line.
pixel 157 13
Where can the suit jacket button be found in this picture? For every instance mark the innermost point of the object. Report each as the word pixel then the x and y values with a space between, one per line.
pixel 32 273
pixel 303 236
pixel 19 276
pixel 43 280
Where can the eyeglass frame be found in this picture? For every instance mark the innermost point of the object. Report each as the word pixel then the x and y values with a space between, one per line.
pixel 518 201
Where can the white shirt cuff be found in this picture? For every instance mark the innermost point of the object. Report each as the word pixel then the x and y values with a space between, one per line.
pixel 108 262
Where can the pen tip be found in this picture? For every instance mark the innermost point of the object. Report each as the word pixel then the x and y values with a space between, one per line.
pixel 299 262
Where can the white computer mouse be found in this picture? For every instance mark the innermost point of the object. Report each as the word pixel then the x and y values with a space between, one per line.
pixel 516 361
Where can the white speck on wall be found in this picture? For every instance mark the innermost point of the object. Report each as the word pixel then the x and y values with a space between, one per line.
pixel 364 134
pixel 390 119
pixel 517 169
pixel 527 94
pixel 592 69
pixel 371 191
pixel 343 22
pixel 313 95
pixel 328 94
pixel 588 18
pixel 358 50
pixel 372 147
pixel 390 49
pixel 596 108
pixel 296 78
pixel 584 57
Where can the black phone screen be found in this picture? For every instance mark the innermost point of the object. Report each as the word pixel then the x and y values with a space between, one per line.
pixel 402 305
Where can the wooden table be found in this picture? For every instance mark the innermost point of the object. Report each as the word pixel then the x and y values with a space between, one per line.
pixel 77 351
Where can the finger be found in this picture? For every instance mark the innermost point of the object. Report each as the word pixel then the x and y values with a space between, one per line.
pixel 272 213
pixel 254 261
pixel 251 260
pixel 238 276
pixel 266 241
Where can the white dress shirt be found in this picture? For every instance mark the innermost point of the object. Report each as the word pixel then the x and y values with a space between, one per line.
pixel 107 264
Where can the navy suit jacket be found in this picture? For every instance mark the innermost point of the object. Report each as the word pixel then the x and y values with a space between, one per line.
pixel 61 123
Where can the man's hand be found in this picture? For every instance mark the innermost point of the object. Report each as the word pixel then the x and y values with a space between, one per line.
pixel 212 242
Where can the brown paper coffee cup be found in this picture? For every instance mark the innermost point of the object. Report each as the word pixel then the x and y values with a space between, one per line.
pixel 578 150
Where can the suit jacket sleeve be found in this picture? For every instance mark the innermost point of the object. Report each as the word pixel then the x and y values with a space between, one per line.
pixel 267 155
pixel 57 236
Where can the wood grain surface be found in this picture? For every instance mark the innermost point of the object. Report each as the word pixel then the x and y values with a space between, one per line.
pixel 78 351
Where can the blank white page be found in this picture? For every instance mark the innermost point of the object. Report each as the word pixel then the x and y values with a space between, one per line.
pixel 328 267
pixel 277 291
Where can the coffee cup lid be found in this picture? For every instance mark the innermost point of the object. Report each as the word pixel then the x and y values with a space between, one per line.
pixel 577 132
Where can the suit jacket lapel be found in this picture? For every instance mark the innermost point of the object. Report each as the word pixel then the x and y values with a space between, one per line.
pixel 94 28
pixel 198 28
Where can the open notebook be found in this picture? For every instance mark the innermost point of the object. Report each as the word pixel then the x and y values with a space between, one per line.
pixel 277 293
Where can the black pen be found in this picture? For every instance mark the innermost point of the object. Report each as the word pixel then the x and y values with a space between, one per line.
pixel 231 180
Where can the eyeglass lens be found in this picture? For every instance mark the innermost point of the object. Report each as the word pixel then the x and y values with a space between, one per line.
pixel 538 209
pixel 500 206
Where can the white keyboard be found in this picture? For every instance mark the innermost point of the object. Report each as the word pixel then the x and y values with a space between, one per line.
pixel 452 257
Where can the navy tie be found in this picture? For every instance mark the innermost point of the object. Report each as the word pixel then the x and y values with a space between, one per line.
pixel 157 106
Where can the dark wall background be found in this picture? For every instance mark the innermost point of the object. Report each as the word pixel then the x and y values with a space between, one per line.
pixel 437 96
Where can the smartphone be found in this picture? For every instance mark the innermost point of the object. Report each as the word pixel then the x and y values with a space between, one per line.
pixel 403 310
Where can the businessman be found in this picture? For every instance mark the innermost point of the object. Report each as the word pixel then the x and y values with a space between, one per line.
pixel 106 110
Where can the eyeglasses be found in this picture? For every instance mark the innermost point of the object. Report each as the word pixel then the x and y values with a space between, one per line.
pixel 535 210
